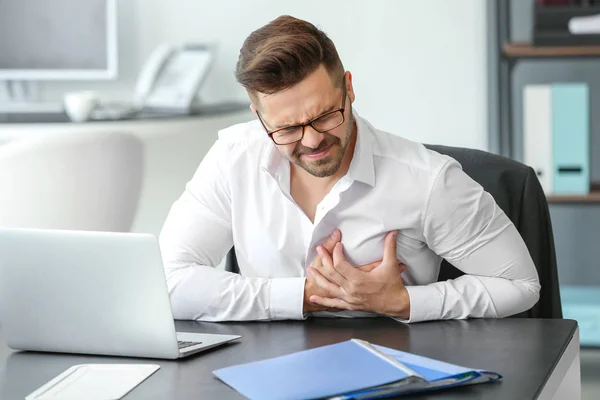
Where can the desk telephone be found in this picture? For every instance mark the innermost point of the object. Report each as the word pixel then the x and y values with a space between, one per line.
pixel 171 77
pixel 169 81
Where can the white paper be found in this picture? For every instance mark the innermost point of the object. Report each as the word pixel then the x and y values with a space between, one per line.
pixel 95 382
pixel 537 133
pixel 585 25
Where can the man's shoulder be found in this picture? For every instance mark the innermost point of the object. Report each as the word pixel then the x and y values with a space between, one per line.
pixel 401 152
pixel 246 139
pixel 245 132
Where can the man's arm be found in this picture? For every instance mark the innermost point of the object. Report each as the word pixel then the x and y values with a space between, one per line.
pixel 463 224
pixel 196 236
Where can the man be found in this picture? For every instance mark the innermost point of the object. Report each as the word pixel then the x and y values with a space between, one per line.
pixel 330 216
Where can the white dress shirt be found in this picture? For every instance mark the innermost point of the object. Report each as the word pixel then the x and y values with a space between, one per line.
pixel 240 195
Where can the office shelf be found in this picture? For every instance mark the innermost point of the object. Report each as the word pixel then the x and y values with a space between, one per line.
pixel 592 197
pixel 526 50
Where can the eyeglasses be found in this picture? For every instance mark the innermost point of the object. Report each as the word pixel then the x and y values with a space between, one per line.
pixel 323 123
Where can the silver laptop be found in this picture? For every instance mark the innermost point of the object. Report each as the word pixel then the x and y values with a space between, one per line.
pixel 90 293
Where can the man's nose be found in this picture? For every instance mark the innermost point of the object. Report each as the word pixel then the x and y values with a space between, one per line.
pixel 312 139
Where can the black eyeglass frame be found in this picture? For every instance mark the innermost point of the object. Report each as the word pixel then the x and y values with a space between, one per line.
pixel 311 122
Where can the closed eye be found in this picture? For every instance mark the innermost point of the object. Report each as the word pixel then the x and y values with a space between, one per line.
pixel 289 129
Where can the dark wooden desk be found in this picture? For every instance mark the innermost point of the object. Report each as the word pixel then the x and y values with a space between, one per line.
pixel 527 352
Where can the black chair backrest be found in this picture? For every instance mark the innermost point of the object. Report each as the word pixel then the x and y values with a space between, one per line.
pixel 517 191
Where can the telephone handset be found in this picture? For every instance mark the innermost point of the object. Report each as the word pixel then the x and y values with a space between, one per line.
pixel 172 76
pixel 150 71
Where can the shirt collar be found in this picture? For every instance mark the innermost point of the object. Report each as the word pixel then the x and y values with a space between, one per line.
pixel 272 160
pixel 361 168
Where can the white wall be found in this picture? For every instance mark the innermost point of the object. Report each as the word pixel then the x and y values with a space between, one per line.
pixel 419 66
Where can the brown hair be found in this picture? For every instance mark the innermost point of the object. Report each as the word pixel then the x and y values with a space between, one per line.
pixel 284 52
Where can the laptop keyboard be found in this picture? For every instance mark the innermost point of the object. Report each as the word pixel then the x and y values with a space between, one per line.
pixel 183 344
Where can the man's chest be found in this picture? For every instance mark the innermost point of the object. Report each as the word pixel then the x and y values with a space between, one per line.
pixel 307 200
pixel 276 238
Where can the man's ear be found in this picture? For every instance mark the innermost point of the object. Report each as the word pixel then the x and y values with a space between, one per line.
pixel 350 87
pixel 252 108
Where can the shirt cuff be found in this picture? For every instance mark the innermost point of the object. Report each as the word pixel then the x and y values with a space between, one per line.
pixel 287 298
pixel 425 304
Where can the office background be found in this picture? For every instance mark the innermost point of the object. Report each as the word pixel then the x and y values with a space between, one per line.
pixel 576 224
pixel 419 67
pixel 421 70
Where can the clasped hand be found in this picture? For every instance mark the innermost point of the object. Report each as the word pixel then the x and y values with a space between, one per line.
pixel 335 284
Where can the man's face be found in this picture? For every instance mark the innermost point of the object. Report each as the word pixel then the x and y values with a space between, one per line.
pixel 319 153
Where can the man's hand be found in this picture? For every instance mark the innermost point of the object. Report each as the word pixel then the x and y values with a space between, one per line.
pixel 379 290
pixel 311 288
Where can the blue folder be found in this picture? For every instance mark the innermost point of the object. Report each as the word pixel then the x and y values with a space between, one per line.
pixel 354 369
pixel 570 137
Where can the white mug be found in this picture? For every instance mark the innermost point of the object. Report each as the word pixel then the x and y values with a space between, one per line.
pixel 79 105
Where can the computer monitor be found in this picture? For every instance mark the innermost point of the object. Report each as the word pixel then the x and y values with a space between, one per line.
pixel 58 40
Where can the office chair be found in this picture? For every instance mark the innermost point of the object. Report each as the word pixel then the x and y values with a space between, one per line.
pixel 517 191
pixel 90 181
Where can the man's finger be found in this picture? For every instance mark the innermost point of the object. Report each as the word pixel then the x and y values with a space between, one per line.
pixel 327 270
pixel 324 283
pixel 389 250
pixel 369 267
pixel 332 239
pixel 331 303
pixel 335 237
pixel 375 264
pixel 341 266
pixel 401 269
pixel 317 263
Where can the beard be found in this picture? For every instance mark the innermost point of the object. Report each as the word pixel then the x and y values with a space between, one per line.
pixel 328 165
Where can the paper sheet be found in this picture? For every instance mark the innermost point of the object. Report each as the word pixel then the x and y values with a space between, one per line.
pixel 95 382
